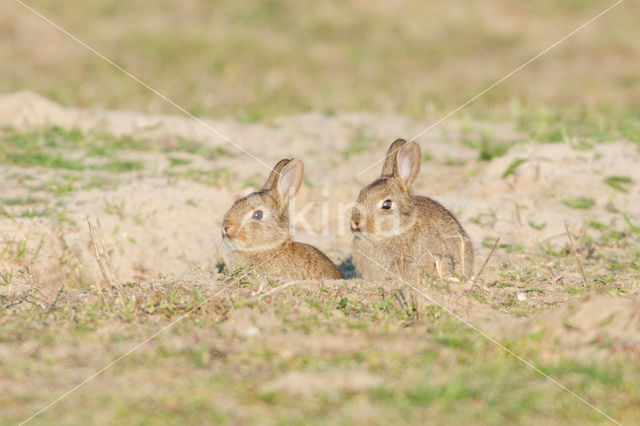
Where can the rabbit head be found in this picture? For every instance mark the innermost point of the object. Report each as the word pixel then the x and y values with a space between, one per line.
pixel 260 221
pixel 385 207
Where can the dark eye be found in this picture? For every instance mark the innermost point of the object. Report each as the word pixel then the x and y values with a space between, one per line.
pixel 386 204
pixel 257 215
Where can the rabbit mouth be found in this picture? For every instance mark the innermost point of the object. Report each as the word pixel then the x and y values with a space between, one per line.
pixel 368 236
pixel 381 234
pixel 233 244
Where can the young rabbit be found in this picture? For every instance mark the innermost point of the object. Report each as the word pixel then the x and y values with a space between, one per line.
pixel 256 228
pixel 406 234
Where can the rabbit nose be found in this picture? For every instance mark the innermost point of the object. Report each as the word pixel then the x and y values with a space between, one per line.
pixel 356 225
pixel 226 230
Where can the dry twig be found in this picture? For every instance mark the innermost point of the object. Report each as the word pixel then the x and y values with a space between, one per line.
pixel 462 246
pixel 105 266
pixel 106 256
pixel 484 265
pixel 53 305
pixel 575 253
pixel 97 256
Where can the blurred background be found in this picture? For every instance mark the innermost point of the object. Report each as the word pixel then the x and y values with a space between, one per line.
pixel 257 59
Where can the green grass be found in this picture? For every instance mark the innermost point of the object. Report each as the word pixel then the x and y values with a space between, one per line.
pixel 221 176
pixel 118 165
pixel 619 183
pixel 436 366
pixel 513 166
pixel 254 61
pixel 417 359
pixel 583 125
pixel 18 201
pixel 72 160
pixel 579 202
pixel 488 242
pixel 488 147
pixel 358 144
pixel 54 147
pixel 177 161
pixel 266 59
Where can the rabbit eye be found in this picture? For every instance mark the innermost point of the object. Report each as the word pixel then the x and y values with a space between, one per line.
pixel 257 215
pixel 386 204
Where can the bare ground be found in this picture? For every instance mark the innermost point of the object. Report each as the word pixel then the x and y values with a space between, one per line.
pixel 161 224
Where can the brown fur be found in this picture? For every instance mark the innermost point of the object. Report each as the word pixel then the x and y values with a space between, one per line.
pixel 417 236
pixel 265 244
pixel 296 261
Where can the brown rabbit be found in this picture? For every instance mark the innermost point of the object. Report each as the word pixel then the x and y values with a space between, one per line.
pixel 256 229
pixel 406 234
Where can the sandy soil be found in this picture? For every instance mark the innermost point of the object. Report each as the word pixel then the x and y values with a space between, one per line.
pixel 171 227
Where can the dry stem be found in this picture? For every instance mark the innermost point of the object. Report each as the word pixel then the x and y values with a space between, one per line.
pixel 575 252
pixel 484 265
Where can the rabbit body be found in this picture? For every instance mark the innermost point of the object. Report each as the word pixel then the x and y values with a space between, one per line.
pixel 413 253
pixel 256 229
pixel 399 235
pixel 292 260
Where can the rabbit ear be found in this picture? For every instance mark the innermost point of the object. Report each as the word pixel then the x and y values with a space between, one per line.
pixel 275 174
pixel 408 163
pixel 390 160
pixel 289 181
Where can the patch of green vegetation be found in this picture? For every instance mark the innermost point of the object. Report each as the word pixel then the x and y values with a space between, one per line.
pixel 59 187
pixel 216 177
pixel 197 148
pixel 455 341
pixel 358 144
pixel 39 159
pixel 618 182
pixel 105 144
pixel 251 115
pixel 597 225
pixel 539 226
pixel 488 148
pixel 69 149
pixel 178 161
pixel 100 182
pixel 450 161
pixel 422 394
pixel 189 146
pixel 579 202
pixel 488 242
pixel 512 167
pixel 219 151
pixel 589 374
pixel 632 228
pixel 19 201
pixel 464 378
pixel 121 166
pixel 584 126
pixel 55 216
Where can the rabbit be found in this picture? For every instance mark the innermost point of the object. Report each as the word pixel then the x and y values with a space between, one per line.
pixel 256 229
pixel 398 234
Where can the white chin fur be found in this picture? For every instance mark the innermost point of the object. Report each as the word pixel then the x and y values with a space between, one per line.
pixel 237 246
pixel 233 244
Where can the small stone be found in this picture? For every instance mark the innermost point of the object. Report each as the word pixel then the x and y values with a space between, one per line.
pixel 251 332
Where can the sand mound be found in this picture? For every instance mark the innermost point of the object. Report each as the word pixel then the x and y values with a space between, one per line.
pixel 154 224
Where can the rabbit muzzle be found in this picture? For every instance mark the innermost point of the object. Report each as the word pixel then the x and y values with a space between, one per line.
pixel 229 230
pixel 357 224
